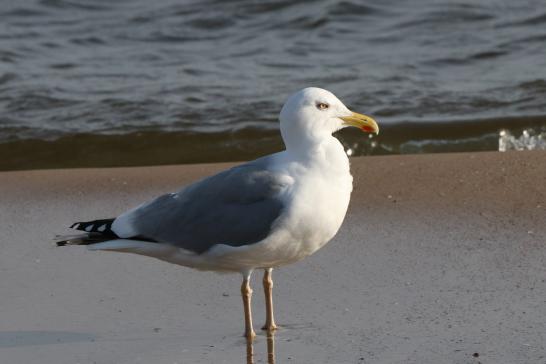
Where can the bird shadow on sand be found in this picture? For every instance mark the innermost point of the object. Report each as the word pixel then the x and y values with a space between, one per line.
pixel 12 339
pixel 250 356
pixel 270 343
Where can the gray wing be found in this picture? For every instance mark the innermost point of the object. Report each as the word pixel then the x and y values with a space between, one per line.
pixel 235 207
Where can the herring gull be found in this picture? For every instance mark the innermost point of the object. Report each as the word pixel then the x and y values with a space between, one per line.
pixel 262 214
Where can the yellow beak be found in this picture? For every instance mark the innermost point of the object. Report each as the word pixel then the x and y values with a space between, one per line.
pixel 363 122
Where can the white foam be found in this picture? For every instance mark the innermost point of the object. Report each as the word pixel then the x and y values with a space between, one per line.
pixel 530 139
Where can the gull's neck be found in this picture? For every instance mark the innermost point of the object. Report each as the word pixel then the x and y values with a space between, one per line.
pixel 304 143
pixel 313 147
pixel 325 152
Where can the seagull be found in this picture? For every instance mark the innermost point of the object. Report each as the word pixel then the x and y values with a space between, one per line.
pixel 262 214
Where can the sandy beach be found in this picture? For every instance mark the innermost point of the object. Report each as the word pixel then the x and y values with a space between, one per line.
pixel 441 259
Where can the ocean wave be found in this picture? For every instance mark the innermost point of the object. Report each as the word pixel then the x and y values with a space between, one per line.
pixel 74 67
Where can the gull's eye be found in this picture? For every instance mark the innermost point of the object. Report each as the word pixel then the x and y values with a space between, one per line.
pixel 322 106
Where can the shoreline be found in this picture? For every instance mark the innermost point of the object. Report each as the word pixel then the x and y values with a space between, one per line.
pixel 166 147
pixel 441 256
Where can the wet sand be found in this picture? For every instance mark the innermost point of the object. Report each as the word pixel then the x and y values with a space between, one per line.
pixel 440 257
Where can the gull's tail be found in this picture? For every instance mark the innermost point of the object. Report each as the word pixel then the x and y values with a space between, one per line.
pixel 98 235
pixel 96 231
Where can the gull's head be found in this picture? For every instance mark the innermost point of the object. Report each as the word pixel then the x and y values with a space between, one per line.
pixel 314 113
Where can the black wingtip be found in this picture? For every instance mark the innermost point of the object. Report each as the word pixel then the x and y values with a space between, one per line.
pixel 103 226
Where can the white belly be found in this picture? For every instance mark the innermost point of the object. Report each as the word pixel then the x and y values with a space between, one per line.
pixel 309 224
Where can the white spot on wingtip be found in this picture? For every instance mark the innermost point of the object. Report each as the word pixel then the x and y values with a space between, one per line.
pixel 102 228
pixel 89 228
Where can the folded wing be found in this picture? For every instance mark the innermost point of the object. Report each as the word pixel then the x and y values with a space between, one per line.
pixel 235 207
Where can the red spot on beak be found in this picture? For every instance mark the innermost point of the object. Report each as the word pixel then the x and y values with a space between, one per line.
pixel 367 129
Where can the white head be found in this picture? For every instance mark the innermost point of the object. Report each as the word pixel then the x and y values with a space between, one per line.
pixel 313 114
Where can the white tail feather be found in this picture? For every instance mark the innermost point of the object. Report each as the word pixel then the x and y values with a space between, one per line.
pixel 136 247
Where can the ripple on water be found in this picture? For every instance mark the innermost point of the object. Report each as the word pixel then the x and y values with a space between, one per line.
pixel 73 67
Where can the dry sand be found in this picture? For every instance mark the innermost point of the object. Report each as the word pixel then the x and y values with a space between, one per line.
pixel 440 257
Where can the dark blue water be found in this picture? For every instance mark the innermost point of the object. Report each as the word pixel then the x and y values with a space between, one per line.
pixel 136 81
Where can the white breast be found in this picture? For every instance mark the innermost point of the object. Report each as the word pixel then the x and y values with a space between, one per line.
pixel 322 195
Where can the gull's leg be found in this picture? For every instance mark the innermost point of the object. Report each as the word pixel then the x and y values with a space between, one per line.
pixel 268 290
pixel 246 292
